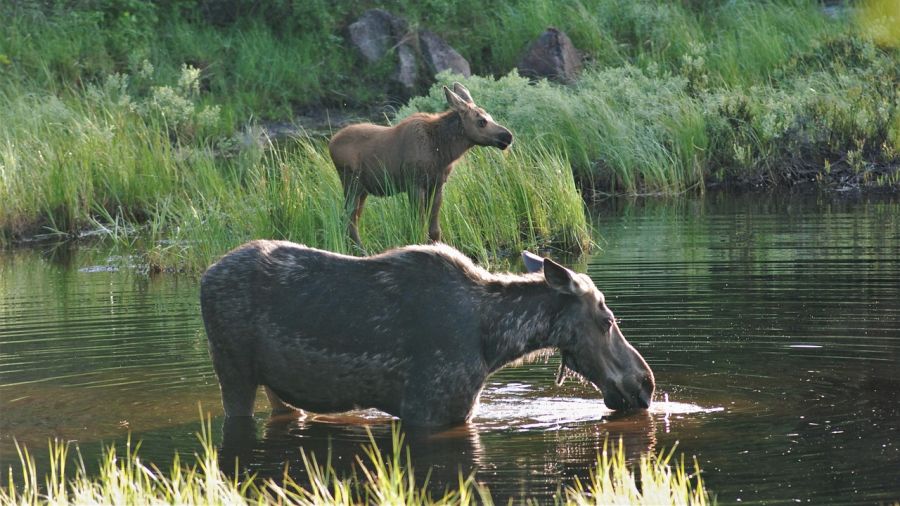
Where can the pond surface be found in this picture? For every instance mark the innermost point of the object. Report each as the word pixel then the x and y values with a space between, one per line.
pixel 772 324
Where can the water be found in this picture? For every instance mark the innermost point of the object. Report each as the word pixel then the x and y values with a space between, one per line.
pixel 772 324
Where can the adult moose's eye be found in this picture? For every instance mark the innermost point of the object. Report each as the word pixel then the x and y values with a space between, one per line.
pixel 606 323
pixel 482 122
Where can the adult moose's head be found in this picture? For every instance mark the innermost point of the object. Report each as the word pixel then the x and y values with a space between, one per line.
pixel 589 340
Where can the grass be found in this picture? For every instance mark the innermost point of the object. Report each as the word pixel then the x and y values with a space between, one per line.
pixel 103 158
pixel 635 130
pixel 493 204
pixel 264 62
pixel 379 479
pixel 130 115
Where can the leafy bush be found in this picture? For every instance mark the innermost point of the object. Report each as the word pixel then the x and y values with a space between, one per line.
pixel 621 127
pixel 654 130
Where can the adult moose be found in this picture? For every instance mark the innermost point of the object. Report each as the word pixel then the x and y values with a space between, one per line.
pixel 414 331
pixel 416 155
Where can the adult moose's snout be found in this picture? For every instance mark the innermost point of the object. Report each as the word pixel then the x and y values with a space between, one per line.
pixel 635 396
pixel 629 383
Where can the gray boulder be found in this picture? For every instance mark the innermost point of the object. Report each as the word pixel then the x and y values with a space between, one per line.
pixel 407 72
pixel 439 56
pixel 376 32
pixel 551 56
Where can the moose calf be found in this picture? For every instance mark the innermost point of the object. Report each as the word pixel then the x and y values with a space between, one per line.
pixel 415 156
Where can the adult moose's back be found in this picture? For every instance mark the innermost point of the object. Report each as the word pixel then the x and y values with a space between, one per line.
pixel 415 156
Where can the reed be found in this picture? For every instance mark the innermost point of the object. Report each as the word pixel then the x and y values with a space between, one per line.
pixel 661 481
pixel 128 479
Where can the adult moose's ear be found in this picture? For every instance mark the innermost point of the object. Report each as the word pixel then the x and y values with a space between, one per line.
pixel 463 93
pixel 561 279
pixel 533 263
pixel 455 101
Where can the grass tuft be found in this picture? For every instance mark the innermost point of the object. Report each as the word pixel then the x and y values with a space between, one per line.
pixel 127 479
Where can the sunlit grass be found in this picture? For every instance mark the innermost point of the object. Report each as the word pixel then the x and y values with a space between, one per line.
pixel 661 481
pixel 880 20
pixel 493 206
pixel 386 480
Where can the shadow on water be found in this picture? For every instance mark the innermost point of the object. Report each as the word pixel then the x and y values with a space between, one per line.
pixel 772 324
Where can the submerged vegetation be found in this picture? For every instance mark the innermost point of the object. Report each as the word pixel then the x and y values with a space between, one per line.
pixel 380 476
pixel 132 116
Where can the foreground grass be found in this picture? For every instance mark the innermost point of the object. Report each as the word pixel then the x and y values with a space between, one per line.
pixel 127 479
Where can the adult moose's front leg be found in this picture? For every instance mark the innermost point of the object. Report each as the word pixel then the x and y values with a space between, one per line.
pixel 433 397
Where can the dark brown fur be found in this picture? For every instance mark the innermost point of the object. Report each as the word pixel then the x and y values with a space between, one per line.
pixel 414 332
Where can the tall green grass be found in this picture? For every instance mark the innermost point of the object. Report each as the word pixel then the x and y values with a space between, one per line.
pixel 646 130
pixel 128 479
pixel 265 62
pixel 134 113
pixel 629 131
pixel 493 205
pixel 64 159
pixel 104 157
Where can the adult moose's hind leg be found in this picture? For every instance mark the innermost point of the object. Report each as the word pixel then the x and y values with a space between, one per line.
pixel 236 380
pixel 279 407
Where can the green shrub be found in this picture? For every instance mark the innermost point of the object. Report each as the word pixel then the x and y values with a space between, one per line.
pixel 621 127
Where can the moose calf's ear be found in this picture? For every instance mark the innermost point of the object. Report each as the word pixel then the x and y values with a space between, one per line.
pixel 463 93
pixel 453 100
pixel 561 279
pixel 533 263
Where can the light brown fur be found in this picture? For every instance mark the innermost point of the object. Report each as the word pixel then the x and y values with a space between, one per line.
pixel 415 156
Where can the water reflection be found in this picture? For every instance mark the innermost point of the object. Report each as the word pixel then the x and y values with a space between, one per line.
pixel 553 439
pixel 772 324
pixel 267 447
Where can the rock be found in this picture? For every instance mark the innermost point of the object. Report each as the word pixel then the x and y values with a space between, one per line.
pixel 440 56
pixel 552 56
pixel 406 67
pixel 376 32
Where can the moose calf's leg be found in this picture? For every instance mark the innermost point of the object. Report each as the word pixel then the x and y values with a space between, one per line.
pixel 434 227
pixel 278 406
pixel 358 200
